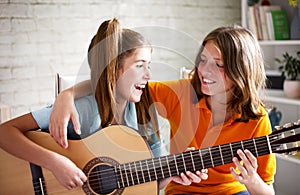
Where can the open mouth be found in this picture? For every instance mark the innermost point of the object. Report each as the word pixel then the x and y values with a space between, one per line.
pixel 207 81
pixel 140 86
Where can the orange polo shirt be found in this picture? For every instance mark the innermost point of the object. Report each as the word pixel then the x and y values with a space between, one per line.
pixel 191 127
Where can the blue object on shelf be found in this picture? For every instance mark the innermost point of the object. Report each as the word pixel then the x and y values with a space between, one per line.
pixel 295 25
pixel 275 117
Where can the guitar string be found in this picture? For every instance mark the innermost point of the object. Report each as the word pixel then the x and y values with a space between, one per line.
pixel 136 172
pixel 99 188
pixel 132 171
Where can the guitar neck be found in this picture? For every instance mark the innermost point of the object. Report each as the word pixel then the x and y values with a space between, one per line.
pixel 162 167
pixel 105 174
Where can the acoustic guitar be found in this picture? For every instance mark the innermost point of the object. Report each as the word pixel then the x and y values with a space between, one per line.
pixel 117 160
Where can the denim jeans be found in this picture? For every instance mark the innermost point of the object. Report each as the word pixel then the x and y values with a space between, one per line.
pixel 243 193
pixel 239 193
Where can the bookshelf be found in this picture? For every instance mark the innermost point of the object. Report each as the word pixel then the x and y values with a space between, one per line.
pixel 274 49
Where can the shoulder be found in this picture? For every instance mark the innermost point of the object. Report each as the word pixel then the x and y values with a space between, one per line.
pixel 42 116
pixel 262 124
pixel 86 105
pixel 174 86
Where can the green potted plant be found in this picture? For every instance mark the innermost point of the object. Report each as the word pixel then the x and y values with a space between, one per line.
pixel 290 69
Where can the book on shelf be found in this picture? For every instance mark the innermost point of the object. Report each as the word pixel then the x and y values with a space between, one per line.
pixel 257 20
pixel 277 24
pixel 252 21
pixel 263 18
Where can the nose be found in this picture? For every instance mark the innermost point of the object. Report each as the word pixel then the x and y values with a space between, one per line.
pixel 147 73
pixel 209 66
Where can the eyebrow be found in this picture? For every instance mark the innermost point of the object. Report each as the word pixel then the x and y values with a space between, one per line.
pixel 141 60
pixel 216 59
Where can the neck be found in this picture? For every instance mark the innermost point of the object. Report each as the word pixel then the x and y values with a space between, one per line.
pixel 119 113
pixel 218 106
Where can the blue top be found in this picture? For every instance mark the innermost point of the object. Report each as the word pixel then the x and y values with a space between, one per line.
pixel 90 121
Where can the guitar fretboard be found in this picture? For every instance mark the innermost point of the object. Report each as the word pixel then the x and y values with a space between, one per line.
pixel 138 172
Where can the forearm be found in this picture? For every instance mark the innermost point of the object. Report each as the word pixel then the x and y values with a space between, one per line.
pixel 13 140
pixel 80 89
pixel 261 189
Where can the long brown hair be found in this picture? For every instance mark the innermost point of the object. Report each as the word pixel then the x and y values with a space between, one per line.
pixel 243 64
pixel 107 50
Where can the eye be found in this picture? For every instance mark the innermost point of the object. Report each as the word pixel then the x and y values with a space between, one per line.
pixel 139 65
pixel 219 66
pixel 202 60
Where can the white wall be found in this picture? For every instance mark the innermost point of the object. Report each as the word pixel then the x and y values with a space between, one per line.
pixel 41 37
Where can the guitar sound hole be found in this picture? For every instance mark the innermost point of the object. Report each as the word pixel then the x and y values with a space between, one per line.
pixel 102 179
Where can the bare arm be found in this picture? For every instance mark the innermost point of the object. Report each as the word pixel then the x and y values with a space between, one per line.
pixel 13 141
pixel 64 110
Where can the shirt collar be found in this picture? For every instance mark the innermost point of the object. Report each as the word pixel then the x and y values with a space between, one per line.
pixel 202 105
pixel 130 116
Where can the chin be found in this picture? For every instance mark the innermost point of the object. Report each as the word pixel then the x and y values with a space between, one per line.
pixel 206 91
pixel 135 99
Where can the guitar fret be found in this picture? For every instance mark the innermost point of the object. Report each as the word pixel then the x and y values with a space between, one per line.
pixel 231 150
pixel 217 156
pixel 41 185
pixel 200 154
pixel 269 146
pixel 195 162
pixel 226 153
pixel 142 171
pixel 189 164
pixel 176 164
pixel 136 172
pixel 194 169
pixel 131 175
pixel 168 166
pixel 183 160
pixel 121 175
pixel 207 159
pixel 118 175
pixel 126 175
pixel 154 169
pixel 161 168
pixel 172 165
pixel 235 147
pixel 242 145
pixel 250 145
pixel 148 171
pixel 220 149
pixel 264 143
pixel 255 147
pixel 212 161
pixel 158 168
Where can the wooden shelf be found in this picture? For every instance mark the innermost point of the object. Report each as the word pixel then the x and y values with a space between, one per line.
pixel 278 96
pixel 285 42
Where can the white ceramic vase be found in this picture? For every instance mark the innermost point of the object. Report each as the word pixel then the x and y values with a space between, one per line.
pixel 291 88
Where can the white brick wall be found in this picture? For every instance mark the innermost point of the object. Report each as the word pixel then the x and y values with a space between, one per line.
pixel 41 37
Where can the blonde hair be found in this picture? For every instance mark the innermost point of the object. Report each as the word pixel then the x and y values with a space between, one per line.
pixel 243 64
pixel 107 51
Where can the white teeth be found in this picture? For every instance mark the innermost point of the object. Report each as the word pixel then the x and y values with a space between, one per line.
pixel 140 86
pixel 207 80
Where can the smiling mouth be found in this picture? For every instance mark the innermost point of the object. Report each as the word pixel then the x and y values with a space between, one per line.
pixel 140 86
pixel 207 81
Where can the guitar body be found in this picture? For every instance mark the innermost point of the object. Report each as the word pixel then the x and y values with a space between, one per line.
pixel 114 144
pixel 117 160
pixel 15 176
